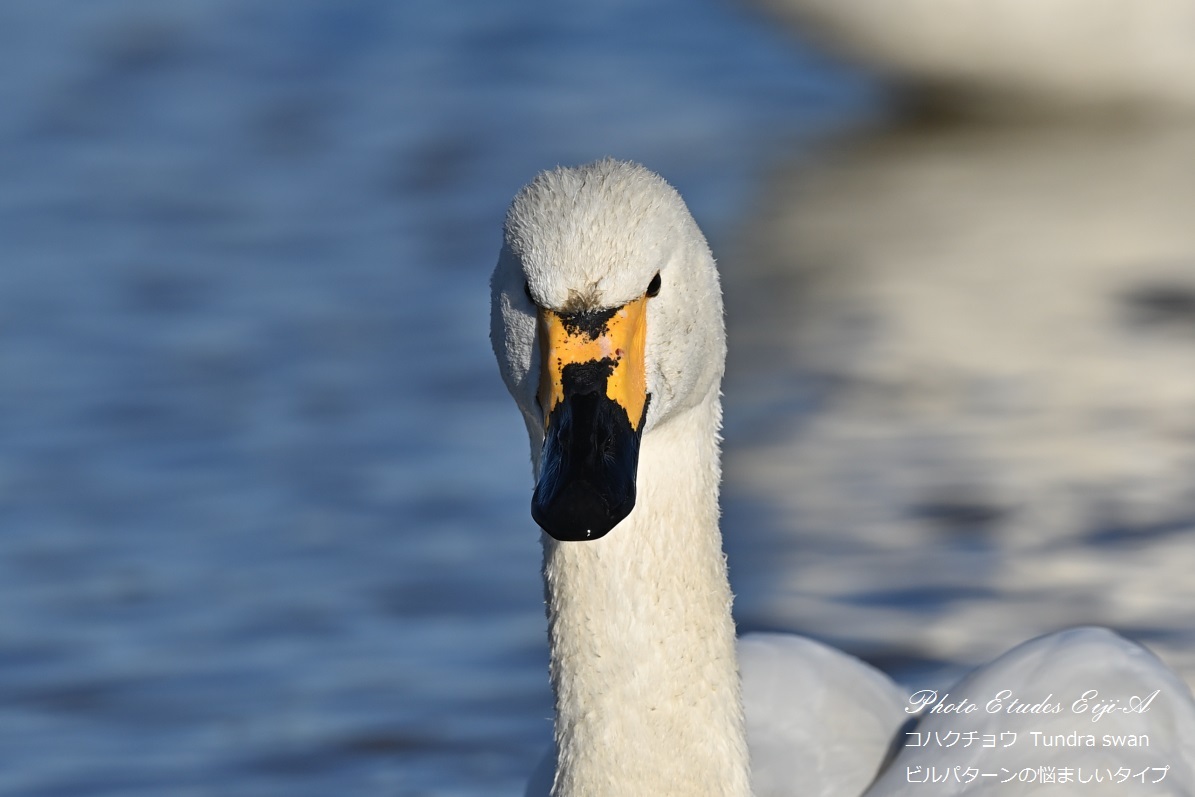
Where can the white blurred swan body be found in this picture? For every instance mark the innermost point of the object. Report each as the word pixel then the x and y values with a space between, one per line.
pixel 644 663
pixel 1080 681
pixel 821 723
pixel 1050 54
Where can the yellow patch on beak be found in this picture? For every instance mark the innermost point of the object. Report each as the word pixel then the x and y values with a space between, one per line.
pixel 613 338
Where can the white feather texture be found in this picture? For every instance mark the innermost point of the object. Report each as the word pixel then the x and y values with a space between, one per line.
pixel 652 695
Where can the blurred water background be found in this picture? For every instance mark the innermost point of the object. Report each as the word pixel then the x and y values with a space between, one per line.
pixel 265 501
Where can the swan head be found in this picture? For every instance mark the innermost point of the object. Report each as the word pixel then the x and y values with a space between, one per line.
pixel 606 319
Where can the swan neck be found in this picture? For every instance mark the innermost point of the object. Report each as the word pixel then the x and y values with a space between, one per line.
pixel 642 640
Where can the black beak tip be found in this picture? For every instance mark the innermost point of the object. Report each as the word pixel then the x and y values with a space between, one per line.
pixel 586 485
pixel 580 513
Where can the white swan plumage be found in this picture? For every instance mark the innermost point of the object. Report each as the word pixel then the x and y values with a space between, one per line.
pixel 1048 55
pixel 604 261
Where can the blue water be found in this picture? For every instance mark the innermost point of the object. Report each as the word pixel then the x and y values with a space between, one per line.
pixel 264 500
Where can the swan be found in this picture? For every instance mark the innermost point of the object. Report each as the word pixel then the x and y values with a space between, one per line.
pixel 1041 54
pixel 606 321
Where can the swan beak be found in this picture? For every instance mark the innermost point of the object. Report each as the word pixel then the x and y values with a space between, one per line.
pixel 593 393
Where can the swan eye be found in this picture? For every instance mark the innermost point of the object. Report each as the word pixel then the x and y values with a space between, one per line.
pixel 653 287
